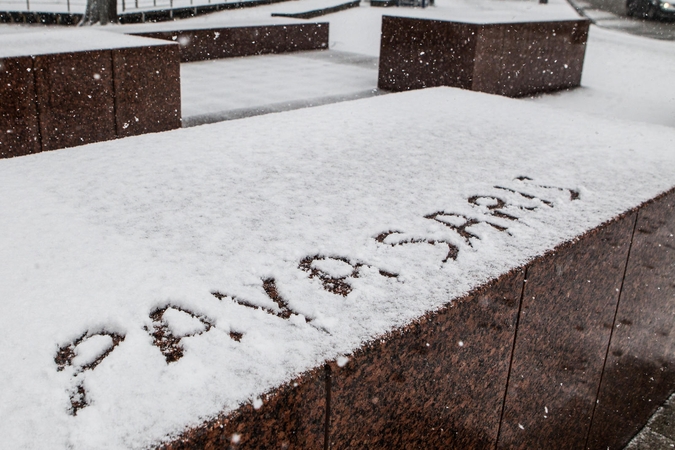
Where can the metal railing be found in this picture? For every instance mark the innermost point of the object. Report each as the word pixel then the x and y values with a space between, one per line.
pixel 47 6
pixel 78 6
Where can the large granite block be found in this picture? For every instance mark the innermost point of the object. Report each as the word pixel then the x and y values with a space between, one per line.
pixel 412 56
pixel 640 370
pixel 532 57
pixel 216 43
pixel 147 89
pixel 564 328
pixel 291 417
pixel 512 59
pixel 438 383
pixel 75 98
pixel 19 133
pixel 81 86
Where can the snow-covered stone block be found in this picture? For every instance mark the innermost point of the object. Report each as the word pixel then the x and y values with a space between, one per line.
pixel 511 59
pixel 81 86
pixel 175 287
pixel 199 44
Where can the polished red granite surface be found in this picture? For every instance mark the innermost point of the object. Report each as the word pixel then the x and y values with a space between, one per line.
pixel 511 59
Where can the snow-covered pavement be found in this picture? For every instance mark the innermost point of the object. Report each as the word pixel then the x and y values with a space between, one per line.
pixel 239 87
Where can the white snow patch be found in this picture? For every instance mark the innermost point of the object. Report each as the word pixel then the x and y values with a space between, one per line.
pixel 90 349
pixel 181 323
pixel 333 267
pixel 452 219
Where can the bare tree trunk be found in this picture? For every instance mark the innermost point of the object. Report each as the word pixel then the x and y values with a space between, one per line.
pixel 100 11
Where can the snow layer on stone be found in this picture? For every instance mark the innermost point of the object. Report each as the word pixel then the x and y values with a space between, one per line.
pixel 90 349
pixel 333 267
pixel 101 236
pixel 66 40
pixel 293 7
pixel 182 324
pixel 246 17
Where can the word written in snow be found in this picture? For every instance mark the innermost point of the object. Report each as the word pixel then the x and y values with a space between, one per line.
pixel 89 350
pixel 167 339
pixel 574 194
pixel 461 223
pixel 167 330
pixel 335 283
pixel 167 335
pixel 68 355
pixel 282 309
pixel 453 251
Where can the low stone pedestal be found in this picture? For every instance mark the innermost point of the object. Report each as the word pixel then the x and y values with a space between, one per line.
pixel 511 59
pixel 83 86
pixel 216 43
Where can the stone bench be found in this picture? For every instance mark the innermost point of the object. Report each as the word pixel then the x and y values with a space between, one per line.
pixel 73 87
pixel 225 42
pixel 511 59
pixel 572 348
pixel 307 280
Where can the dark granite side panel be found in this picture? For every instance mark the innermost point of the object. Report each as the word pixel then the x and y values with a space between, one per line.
pixel 487 74
pixel 19 133
pixel 568 307
pixel 292 417
pixel 305 37
pixel 551 57
pixel 147 89
pixel 437 383
pixel 526 58
pixel 201 45
pixel 512 59
pixel 640 370
pixel 419 53
pixel 75 98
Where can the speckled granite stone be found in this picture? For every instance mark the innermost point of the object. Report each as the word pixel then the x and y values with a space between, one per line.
pixel 640 370
pixel 291 417
pixel 437 383
pixel 19 133
pixel 75 98
pixel 511 59
pixel 215 43
pixel 568 306
pixel 147 89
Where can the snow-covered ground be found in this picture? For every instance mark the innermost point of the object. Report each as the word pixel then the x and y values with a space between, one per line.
pixel 625 76
pixel 98 240
pixel 218 89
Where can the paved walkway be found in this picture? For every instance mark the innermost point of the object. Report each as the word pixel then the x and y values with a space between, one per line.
pixel 232 88
pixel 659 434
pixel 612 14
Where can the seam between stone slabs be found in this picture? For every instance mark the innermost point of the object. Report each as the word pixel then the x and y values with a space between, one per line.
pixel 36 102
pixel 114 93
pixel 326 426
pixel 513 349
pixel 611 333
